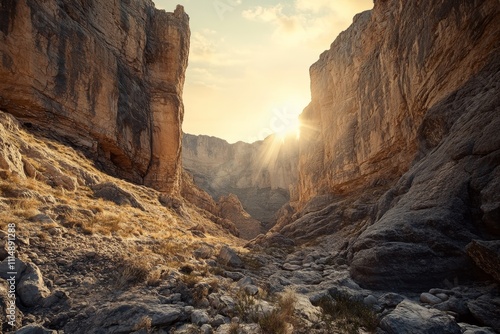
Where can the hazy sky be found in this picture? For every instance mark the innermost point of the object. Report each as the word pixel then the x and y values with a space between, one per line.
pixel 248 73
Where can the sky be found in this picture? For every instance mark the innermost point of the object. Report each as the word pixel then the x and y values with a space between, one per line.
pixel 248 72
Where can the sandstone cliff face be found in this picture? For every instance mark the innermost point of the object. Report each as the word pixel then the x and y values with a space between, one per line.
pixel 230 207
pixel 399 155
pixel 260 174
pixel 373 88
pixel 108 76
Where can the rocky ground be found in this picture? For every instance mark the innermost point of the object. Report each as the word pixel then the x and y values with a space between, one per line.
pixel 98 255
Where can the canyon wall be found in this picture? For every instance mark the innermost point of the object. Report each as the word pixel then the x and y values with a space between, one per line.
pixel 106 76
pixel 373 88
pixel 260 174
pixel 399 155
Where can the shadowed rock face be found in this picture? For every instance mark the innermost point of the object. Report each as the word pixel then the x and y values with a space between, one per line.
pixel 108 76
pixel 404 104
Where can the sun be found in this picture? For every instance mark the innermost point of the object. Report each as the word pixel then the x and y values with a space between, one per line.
pixel 285 123
pixel 289 129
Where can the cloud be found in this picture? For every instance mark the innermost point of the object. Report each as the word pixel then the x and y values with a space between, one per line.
pixel 274 14
pixel 313 22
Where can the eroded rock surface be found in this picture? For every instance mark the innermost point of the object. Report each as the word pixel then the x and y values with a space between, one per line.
pixel 108 76
pixel 399 156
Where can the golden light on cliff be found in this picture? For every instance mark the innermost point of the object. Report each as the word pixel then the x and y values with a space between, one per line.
pixel 289 130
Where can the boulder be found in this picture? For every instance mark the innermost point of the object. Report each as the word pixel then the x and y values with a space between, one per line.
pixel 31 288
pixel 485 310
pixel 200 317
pixel 429 298
pixel 228 257
pixel 125 316
pixel 410 318
pixel 35 329
pixel 486 255
pixel 112 192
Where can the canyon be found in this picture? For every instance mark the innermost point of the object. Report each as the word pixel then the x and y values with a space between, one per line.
pixel 262 174
pixel 388 203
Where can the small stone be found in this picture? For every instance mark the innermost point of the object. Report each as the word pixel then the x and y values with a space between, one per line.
pixel 219 319
pixel 200 317
pixel 227 256
pixel 206 329
pixel 251 290
pixel 429 299
pixel 41 218
pixel 235 276
pixel 443 296
pixel 292 267
pixel 370 300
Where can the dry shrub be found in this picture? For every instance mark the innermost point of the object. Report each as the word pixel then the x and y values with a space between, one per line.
pixel 277 321
pixel 105 223
pixel 132 271
pixel 144 323
pixel 348 315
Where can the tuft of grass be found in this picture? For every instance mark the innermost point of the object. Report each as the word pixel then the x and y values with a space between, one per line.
pixel 279 320
pixel 234 328
pixel 144 323
pixel 348 315
pixel 106 222
pixel 25 207
pixel 190 280
pixel 132 272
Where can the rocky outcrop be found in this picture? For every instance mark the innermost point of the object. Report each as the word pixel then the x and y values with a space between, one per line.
pixel 486 255
pixel 398 148
pixel 107 76
pixel 260 174
pixel 229 207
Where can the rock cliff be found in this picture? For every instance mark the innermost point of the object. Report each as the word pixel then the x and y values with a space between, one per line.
pixel 107 76
pixel 398 148
pixel 260 174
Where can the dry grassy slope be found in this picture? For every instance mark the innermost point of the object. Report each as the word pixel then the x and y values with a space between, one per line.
pixel 44 177
pixel 85 245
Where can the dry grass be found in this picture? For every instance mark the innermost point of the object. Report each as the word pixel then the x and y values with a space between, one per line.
pixel 279 320
pixel 107 222
pixel 132 271
pixel 347 315
pixel 144 323
pixel 157 235
pixel 234 328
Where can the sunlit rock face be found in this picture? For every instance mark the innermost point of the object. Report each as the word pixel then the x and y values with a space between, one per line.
pixel 375 86
pixel 107 76
pixel 260 174
pixel 400 143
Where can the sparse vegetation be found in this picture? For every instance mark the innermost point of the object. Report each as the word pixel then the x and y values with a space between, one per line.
pixel 275 321
pixel 132 271
pixel 278 321
pixel 144 323
pixel 347 315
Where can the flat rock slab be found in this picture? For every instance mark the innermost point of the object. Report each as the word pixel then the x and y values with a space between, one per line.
pixel 486 255
pixel 487 311
pixel 410 318
pixel 123 317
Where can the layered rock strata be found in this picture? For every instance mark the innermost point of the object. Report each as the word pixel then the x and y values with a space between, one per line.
pixel 107 76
